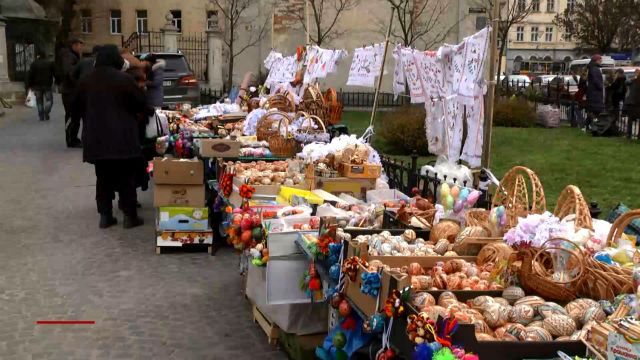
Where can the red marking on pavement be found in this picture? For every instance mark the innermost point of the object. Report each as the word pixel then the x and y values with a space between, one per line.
pixel 65 322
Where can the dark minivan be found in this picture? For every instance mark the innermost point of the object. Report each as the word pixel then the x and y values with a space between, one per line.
pixel 180 84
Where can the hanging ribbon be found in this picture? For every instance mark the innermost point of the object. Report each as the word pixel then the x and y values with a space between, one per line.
pixel 368 133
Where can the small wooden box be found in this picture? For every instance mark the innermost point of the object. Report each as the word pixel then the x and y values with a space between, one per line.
pixel 364 171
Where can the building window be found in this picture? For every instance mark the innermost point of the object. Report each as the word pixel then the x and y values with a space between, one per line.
pixel 566 36
pixel 481 22
pixel 212 19
pixel 551 5
pixel 548 34
pixel 520 33
pixel 571 4
pixel 115 22
pixel 534 33
pixel 85 21
pixel 535 5
pixel 177 19
pixel 142 22
pixel 522 6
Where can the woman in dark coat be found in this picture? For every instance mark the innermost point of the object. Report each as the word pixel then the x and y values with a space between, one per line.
pixel 632 102
pixel 109 100
pixel 595 89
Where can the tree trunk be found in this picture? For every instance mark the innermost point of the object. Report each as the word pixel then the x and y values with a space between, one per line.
pixel 65 26
pixel 230 69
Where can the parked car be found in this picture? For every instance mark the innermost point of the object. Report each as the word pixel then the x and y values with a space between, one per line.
pixel 544 79
pixel 515 81
pixel 180 84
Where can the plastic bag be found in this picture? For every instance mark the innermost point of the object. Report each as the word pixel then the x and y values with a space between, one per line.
pixel 30 101
pixel 158 126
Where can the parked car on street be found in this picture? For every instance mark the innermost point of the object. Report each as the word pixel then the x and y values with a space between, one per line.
pixel 180 84
pixel 517 82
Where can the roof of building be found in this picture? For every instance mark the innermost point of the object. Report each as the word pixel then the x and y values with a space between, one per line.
pixel 22 9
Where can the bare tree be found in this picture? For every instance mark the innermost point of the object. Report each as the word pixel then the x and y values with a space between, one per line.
pixel 236 19
pixel 601 24
pixel 419 21
pixel 323 18
pixel 512 12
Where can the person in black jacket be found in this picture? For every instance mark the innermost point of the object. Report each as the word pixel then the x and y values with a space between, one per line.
pixel 595 89
pixel 109 101
pixel 68 58
pixel 632 102
pixel 40 81
pixel 85 66
pixel 618 89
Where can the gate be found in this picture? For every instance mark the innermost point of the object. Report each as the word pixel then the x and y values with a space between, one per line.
pixel 143 43
pixel 21 55
pixel 194 48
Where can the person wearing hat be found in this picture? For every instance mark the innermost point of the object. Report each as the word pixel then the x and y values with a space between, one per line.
pixel 68 58
pixel 109 101
pixel 595 89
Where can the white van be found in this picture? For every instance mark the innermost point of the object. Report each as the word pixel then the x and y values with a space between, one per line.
pixel 577 66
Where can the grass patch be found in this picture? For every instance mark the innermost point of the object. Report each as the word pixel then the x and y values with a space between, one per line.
pixel 603 168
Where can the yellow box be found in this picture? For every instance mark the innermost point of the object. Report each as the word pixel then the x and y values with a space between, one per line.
pixel 287 193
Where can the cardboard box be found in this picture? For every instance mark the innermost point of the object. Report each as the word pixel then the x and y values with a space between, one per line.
pixel 179 195
pixel 183 219
pixel 368 304
pixel 618 348
pixel 177 239
pixel 364 171
pixel 214 148
pixel 354 187
pixel 178 171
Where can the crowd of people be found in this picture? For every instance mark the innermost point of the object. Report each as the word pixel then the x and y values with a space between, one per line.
pixel 112 94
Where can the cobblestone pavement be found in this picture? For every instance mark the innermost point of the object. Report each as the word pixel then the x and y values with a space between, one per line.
pixel 56 264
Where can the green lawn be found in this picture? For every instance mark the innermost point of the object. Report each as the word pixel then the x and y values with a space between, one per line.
pixel 603 168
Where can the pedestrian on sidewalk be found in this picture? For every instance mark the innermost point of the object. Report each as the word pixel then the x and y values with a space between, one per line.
pixel 578 104
pixel 618 90
pixel 595 90
pixel 40 81
pixel 109 101
pixel 68 58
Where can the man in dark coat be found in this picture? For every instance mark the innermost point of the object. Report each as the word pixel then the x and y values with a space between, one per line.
pixel 109 100
pixel 595 89
pixel 40 81
pixel 68 58
pixel 86 65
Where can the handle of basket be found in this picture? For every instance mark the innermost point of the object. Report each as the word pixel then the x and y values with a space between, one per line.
pixel 319 121
pixel 286 126
pixel 621 223
pixel 304 114
pixel 578 255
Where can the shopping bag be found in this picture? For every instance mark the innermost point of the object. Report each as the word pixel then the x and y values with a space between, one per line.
pixel 30 101
pixel 157 126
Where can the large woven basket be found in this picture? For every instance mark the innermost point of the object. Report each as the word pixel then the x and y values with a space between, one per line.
pixel 313 102
pixel 513 193
pixel 282 102
pixel 570 202
pixel 283 145
pixel 333 107
pixel 307 133
pixel 268 124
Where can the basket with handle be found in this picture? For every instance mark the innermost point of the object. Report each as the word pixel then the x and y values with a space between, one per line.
pixel 313 102
pixel 333 107
pixel 283 145
pixel 570 202
pixel 267 125
pixel 621 223
pixel 307 133
pixel 282 102
pixel 513 193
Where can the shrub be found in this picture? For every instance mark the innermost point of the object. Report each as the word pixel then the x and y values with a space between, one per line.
pixel 514 112
pixel 403 131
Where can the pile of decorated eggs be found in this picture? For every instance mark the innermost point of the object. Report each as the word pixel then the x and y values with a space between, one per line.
pixel 526 318
pixel 406 244
pixel 456 274
pixel 265 173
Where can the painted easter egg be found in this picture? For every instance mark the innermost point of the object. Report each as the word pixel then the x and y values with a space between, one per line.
pixel 535 333
pixel 550 308
pixel 517 330
pixel 578 307
pixel 447 298
pixel 513 294
pixel 422 299
pixel 533 301
pixel 522 314
pixel 481 302
pixel 559 325
pixel 482 327
pixel 496 315
pixel 594 313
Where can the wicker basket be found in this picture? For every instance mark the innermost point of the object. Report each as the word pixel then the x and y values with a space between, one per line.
pixel 333 107
pixel 283 145
pixel 308 134
pixel 570 202
pixel 282 102
pixel 266 127
pixel 514 195
pixel 252 104
pixel 494 252
pixel 313 102
pixel 534 274
pixel 620 224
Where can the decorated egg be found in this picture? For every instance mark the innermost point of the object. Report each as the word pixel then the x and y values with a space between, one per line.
pixel 415 269
pixel 421 282
pixel 473 314
pixel 513 294
pixel 499 332
pixel 464 193
pixel 522 314
pixel 455 191
pixel 447 298
pixel 550 308
pixel 445 190
pixel 441 247
pixel 496 315
pixel 533 301
pixel 537 323
pixel 454 282
pixel 508 337
pixel 517 330
pixel 409 236
pixel 564 338
pixel 594 313
pixel 485 337
pixel 463 317
pixel 482 327
pixel 422 299
pixel 481 302
pixel 440 281
pixel 433 312
pixel 535 333
pixel 578 307
pixel 559 325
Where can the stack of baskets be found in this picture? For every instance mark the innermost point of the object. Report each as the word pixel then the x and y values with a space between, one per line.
pixel 333 107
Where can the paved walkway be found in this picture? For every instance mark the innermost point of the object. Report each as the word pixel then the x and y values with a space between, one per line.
pixel 56 264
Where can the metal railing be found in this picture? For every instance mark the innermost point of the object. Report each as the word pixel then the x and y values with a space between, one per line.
pixel 365 99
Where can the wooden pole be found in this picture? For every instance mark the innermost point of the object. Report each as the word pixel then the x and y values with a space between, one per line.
pixel 273 23
pixel 384 59
pixel 491 89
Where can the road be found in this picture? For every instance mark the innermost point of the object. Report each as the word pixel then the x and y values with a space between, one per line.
pixel 55 264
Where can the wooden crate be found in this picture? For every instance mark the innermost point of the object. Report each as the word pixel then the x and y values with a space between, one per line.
pixel 270 329
pixel 364 171
pixel 300 347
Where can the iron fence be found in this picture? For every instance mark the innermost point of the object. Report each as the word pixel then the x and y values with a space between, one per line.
pixel 562 96
pixel 365 99
pixel 151 41
pixel 195 49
